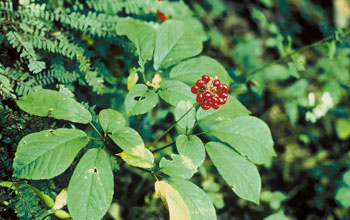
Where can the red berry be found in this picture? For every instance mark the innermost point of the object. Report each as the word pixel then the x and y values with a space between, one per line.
pixel 214 99
pixel 221 101
pixel 161 16
pixel 225 100
pixel 207 95
pixel 200 98
pixel 215 105
pixel 195 89
pixel 223 88
pixel 223 95
pixel 216 82
pixel 205 78
pixel 205 106
pixel 200 82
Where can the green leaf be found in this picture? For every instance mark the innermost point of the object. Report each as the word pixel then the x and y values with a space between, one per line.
pixel 196 26
pixel 248 135
pixel 90 190
pixel 176 205
pixel 177 167
pixel 188 121
pixel 238 172
pixel 131 142
pixel 343 191
pixel 332 47
pixel 175 42
pixel 274 198
pixel 132 78
pixel 191 150
pixel 46 154
pixel 277 216
pixel 198 203
pixel 232 109
pixel 140 100
pixel 342 128
pixel 191 70
pixel 275 72
pixel 111 120
pixel 54 104
pixel 141 34
pixel 135 160
pixel 173 92
pixel 291 109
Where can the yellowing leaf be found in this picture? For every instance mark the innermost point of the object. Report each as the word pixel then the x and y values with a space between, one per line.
pixel 132 78
pixel 156 81
pixel 61 214
pixel 178 209
pixel 135 160
pixel 61 200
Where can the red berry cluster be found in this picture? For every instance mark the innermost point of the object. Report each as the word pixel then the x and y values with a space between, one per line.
pixel 160 15
pixel 211 93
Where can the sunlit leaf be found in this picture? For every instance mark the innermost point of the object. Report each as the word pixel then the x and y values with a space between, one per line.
pixel 178 209
pixel 140 100
pixel 239 173
pixel 131 142
pixel 90 190
pixel 50 103
pixel 188 121
pixel 192 69
pixel 191 150
pixel 173 92
pixel 196 199
pixel 111 120
pixel 177 167
pixel 175 42
pixel 141 34
pixel 46 154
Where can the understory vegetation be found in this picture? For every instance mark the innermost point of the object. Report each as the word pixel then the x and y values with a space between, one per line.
pixel 149 109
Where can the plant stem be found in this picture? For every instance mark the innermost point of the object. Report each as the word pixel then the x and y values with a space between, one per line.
pixel 203 132
pixel 140 122
pixel 256 70
pixel 162 148
pixel 191 130
pixel 172 126
pixel 96 139
pixel 93 126
pixel 142 70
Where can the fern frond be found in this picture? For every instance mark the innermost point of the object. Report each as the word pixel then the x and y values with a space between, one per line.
pixel 27 51
pixel 26 203
pixel 95 82
pixel 130 6
pixel 102 69
pixel 6 90
pixel 96 25
pixel 49 77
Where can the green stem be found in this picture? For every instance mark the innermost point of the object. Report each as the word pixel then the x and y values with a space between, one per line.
pixel 254 71
pixel 204 132
pixel 93 126
pixel 142 70
pixel 171 127
pixel 96 139
pixel 162 148
pixel 191 130
pixel 143 76
pixel 140 122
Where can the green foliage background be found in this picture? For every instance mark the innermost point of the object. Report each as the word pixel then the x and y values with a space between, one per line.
pixel 289 61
